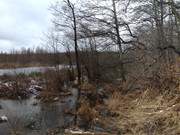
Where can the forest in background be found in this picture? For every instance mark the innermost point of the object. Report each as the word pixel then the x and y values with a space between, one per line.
pixel 123 36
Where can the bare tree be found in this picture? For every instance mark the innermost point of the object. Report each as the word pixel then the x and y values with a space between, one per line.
pixel 53 45
pixel 118 40
pixel 105 24
pixel 66 19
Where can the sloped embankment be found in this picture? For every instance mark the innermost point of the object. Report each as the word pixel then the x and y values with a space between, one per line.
pixel 148 112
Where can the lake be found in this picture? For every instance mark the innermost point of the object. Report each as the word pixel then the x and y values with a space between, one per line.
pixel 27 70
pixel 31 117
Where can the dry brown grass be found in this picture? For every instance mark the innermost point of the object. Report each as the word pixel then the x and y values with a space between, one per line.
pixel 15 87
pixel 87 113
pixel 153 111
pixel 88 88
pixel 149 113
pixel 53 85
pixel 53 80
pixel 114 104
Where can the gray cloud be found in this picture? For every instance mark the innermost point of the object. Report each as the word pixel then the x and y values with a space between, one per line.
pixel 23 22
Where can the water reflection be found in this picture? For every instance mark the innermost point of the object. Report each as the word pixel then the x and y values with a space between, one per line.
pixel 31 120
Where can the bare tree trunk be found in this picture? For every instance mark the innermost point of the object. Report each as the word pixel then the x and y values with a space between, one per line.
pixel 171 57
pixel 159 20
pixel 178 30
pixel 71 72
pixel 118 41
pixel 76 55
pixel 162 23
pixel 95 58
pixel 76 48
pixel 177 20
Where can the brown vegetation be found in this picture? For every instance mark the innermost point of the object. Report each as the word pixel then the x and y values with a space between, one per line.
pixel 154 110
pixel 53 86
pixel 15 88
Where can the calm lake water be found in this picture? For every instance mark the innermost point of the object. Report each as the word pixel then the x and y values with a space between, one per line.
pixel 32 119
pixel 27 70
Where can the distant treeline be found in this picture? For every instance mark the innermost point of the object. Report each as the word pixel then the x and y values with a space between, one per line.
pixel 28 57
pixel 43 57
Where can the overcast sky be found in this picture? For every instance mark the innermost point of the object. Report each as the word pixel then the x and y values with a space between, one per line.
pixel 22 23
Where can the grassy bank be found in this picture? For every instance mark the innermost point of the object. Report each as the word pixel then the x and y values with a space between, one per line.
pixel 153 110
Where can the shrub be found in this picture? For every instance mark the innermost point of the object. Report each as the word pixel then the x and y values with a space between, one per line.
pixel 87 114
pixel 15 88
pixel 53 81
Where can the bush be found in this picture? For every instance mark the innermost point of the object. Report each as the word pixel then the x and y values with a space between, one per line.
pixel 15 88
pixel 87 115
pixel 53 81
